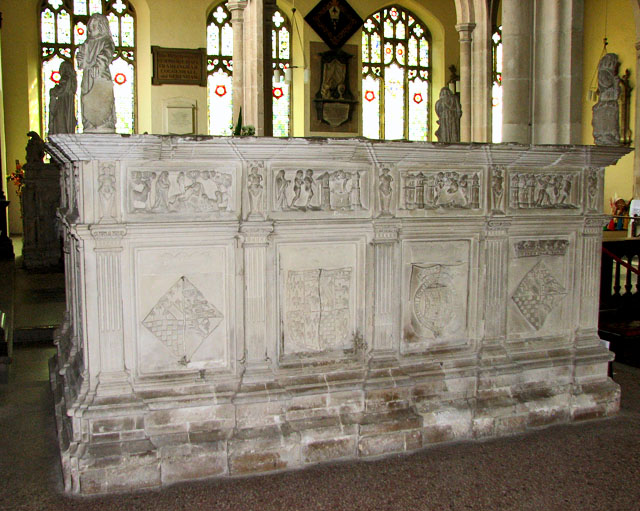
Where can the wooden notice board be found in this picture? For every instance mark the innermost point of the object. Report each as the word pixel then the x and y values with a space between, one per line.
pixel 179 66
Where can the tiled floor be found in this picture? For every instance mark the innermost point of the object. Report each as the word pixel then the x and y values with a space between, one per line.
pixel 588 466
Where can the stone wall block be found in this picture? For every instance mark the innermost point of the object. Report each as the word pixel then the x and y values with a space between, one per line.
pixel 402 441
pixel 188 462
pixel 334 448
pixel 263 454
pixel 96 481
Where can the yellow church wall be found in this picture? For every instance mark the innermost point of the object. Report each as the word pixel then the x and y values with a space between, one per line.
pixel 20 76
pixel 621 35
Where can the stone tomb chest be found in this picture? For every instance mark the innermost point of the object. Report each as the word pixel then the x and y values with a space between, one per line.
pixel 242 305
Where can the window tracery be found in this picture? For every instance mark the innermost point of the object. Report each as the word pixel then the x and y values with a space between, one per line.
pixel 396 76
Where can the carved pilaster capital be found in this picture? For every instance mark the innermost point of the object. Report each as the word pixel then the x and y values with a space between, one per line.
pixel 255 235
pixel 386 231
pixel 108 238
pixel 594 224
pixel 497 228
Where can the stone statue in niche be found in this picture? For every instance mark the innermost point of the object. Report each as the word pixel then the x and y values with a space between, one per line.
pixel 255 188
pixel 606 112
pixel 334 101
pixel 62 101
pixel 449 112
pixel 384 191
pixel 94 57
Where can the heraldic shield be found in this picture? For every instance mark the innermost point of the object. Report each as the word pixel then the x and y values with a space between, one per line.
pixel 435 310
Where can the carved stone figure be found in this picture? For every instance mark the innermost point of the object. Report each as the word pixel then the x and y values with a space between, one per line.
pixel 497 191
pixel 255 188
pixel 281 187
pixel 162 192
pixel 94 57
pixel 606 112
pixel 34 150
pixel 449 112
pixel 62 101
pixel 107 191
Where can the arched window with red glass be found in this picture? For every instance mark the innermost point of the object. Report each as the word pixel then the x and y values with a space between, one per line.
pixel 63 25
pixel 220 70
pixel 281 57
pixel 396 76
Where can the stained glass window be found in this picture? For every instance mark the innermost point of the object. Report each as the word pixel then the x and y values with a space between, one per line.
pixel 281 92
pixel 496 90
pixel 396 76
pixel 63 26
pixel 220 71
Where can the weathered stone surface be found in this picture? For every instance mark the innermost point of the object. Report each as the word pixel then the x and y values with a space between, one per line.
pixel 229 313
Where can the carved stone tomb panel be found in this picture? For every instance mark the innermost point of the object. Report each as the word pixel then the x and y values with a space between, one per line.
pixel 539 291
pixel 424 192
pixel 312 190
pixel 184 313
pixel 159 191
pixel 536 191
pixel 436 290
pixel 321 297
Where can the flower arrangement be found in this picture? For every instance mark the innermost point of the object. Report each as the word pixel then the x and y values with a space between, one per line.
pixel 17 178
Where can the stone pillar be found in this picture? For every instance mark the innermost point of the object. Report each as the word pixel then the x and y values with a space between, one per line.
pixel 464 31
pixel 113 377
pixel 496 249
pixel 589 269
pixel 517 32
pixel 557 72
pixel 258 72
pixel 237 7
pixel 386 293
pixel 255 243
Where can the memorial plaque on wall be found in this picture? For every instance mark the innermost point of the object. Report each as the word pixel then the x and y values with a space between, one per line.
pixel 329 122
pixel 179 66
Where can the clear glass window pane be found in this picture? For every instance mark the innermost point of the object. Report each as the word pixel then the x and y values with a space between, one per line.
pixel 220 103
pixel 64 27
pixel 371 107
pixel 394 102
pixel 48 26
pixel 80 7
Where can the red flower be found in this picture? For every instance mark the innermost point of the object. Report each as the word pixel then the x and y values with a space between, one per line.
pixel 277 92
pixel 120 78
pixel 220 90
pixel 369 96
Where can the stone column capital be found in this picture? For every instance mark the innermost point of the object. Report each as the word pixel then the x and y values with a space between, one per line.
pixel 464 30
pixel 237 7
pixel 497 228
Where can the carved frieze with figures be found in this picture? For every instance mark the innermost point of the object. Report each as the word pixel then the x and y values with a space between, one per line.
pixel 319 190
pixel 544 190
pixel 173 191
pixel 440 190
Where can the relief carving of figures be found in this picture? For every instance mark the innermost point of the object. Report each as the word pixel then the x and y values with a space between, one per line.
pixel 530 190
pixel 255 189
pixel 94 57
pixel 385 191
pixel 62 101
pixel 449 190
pixel 606 112
pixel 497 191
pixel 317 316
pixel 449 113
pixel 107 191
pixel 193 191
pixel 304 190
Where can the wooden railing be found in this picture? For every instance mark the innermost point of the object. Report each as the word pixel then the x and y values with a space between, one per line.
pixel 620 275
